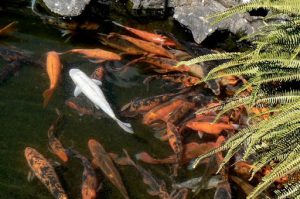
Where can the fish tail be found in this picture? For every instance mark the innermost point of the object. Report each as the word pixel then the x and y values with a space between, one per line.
pixel 47 96
pixel 125 126
pixel 118 24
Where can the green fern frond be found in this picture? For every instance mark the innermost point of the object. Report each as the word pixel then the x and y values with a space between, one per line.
pixel 289 190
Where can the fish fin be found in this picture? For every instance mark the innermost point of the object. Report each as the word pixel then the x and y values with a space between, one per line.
pixel 100 187
pixel 47 96
pixel 97 107
pixel 98 61
pixel 98 82
pixel 30 176
pixel 125 126
pixel 77 91
pixel 200 134
pixel 235 126
pixel 118 24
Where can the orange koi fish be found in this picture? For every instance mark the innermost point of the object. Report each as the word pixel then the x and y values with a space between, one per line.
pixel 122 45
pixel 102 160
pixel 98 54
pixel 152 37
pixel 8 28
pixel 145 45
pixel 45 172
pixel 243 168
pixel 162 111
pixel 54 143
pixel 211 128
pixel 54 68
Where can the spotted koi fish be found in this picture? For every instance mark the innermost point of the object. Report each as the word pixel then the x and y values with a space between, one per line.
pixel 45 172
pixel 175 142
pixel 141 106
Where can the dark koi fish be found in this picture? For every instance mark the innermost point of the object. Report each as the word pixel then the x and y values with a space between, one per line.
pixel 162 111
pixel 89 187
pixel 8 28
pixel 245 186
pixel 163 65
pixel 152 37
pixel 45 172
pixel 223 191
pixel 180 194
pixel 184 79
pixel 102 160
pixel 178 114
pixel 141 106
pixel 145 45
pixel 97 54
pixel 155 188
pixel 175 142
pixel 54 143
pixel 122 45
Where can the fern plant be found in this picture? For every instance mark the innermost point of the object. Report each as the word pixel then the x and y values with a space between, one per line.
pixel 273 60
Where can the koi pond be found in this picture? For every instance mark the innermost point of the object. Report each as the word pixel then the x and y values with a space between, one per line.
pixel 24 121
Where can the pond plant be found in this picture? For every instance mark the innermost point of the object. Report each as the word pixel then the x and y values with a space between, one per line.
pixel 272 69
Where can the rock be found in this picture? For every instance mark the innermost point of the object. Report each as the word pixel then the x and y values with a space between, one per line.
pixel 66 7
pixel 193 15
pixel 152 8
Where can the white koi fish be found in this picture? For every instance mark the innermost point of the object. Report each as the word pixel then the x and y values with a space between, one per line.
pixel 89 87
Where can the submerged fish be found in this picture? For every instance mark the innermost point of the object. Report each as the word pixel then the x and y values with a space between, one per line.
pixel 152 37
pixel 175 142
pixel 45 172
pixel 140 106
pixel 89 87
pixel 194 183
pixel 54 143
pixel 102 160
pixel 89 187
pixel 155 188
pixel 162 111
pixel 54 67
pixel 8 28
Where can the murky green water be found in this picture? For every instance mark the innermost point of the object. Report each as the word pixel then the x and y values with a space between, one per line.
pixel 25 123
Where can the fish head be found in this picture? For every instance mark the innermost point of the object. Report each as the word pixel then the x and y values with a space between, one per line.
pixel 88 193
pixel 73 72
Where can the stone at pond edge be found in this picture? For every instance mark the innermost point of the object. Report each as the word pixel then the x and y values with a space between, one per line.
pixel 66 7
pixel 194 16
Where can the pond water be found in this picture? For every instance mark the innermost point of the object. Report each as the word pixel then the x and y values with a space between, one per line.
pixel 24 122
